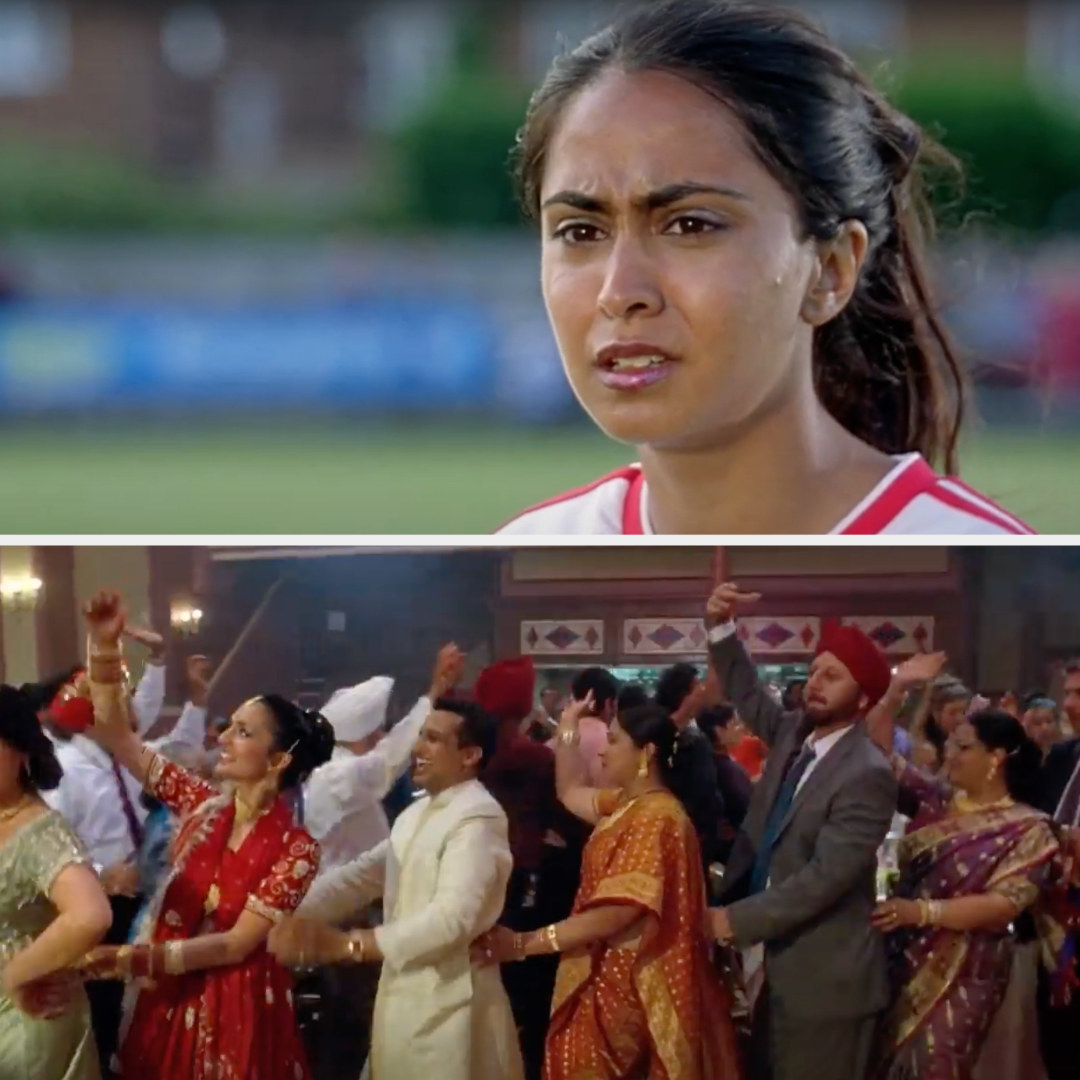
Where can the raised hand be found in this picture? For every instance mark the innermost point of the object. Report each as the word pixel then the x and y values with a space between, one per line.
pixel 105 619
pixel 725 601
pixel 199 670
pixel 449 664
pixel 919 670
pixel 574 710
pixel 150 638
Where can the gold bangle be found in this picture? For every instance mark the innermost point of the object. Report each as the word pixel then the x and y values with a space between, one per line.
pixel 551 936
pixel 357 948
pixel 934 915
pixel 174 958
pixel 123 959
pixel 924 912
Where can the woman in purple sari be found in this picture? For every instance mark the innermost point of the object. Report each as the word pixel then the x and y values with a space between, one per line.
pixel 975 856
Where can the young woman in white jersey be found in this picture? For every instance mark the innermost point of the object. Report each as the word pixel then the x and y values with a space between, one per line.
pixel 732 262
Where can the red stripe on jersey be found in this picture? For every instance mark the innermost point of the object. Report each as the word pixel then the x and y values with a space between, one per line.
pixel 973 509
pixel 629 473
pixel 917 479
pixel 1003 517
pixel 633 520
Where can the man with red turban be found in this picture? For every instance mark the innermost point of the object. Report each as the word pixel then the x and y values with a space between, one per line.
pixel 800 883
pixel 521 776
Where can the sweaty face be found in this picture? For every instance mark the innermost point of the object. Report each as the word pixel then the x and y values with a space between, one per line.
pixel 831 694
pixel 663 234
pixel 439 762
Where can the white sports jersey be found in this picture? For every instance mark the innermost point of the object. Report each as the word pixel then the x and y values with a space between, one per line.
pixel 912 500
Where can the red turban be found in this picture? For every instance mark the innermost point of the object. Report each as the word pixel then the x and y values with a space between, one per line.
pixel 506 689
pixel 859 654
pixel 71 710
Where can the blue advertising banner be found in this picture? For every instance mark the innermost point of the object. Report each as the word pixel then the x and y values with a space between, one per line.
pixel 375 354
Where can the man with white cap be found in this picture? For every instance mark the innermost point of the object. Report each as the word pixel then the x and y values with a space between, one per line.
pixel 342 800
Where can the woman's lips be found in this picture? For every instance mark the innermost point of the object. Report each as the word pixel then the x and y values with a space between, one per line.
pixel 633 365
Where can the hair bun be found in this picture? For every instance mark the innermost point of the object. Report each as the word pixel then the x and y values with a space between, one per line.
pixel 319 733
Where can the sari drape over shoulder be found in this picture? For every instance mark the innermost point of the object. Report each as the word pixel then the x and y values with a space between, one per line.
pixel 227 1023
pixel 649 1004
pixel 949 984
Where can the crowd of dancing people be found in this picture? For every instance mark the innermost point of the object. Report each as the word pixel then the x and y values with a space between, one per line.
pixel 869 877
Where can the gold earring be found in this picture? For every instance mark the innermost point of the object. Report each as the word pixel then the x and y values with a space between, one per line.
pixel 643 764
pixel 993 770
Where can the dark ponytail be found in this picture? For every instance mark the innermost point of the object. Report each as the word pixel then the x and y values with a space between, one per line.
pixel 306 736
pixel 997 730
pixel 886 367
pixel 22 731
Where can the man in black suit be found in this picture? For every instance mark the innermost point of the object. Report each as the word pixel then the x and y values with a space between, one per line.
pixel 1059 1029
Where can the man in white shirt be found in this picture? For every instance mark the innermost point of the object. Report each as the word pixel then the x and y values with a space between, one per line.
pixel 342 800
pixel 443 875
pixel 102 804
pixel 801 877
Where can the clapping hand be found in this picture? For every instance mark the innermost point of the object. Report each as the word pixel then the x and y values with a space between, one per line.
pixel 499 945
pixel 919 670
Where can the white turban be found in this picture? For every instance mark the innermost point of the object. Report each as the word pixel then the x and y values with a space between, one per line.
pixel 358 711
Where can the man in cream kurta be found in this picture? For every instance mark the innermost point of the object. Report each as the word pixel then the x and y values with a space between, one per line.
pixel 443 874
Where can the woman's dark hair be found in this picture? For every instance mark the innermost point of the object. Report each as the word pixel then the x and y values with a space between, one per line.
pixel 477 728
pixel 631 696
pixel 997 730
pixel 305 735
pixel 652 724
pixel 886 367
pixel 22 731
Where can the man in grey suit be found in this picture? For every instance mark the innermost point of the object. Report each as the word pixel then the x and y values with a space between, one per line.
pixel 801 877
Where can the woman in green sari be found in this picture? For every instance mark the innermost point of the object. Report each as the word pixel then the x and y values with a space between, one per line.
pixel 52 910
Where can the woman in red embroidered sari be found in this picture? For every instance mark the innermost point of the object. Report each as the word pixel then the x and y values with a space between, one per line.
pixel 975 857
pixel 636 997
pixel 208 1002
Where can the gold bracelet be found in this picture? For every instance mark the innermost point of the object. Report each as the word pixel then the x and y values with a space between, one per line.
pixel 569 737
pixel 356 948
pixel 123 959
pixel 934 916
pixel 551 936
pixel 924 912
pixel 174 958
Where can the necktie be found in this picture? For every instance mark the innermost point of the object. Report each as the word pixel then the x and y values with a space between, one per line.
pixel 134 828
pixel 759 878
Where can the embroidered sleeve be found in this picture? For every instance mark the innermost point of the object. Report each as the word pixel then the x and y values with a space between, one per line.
pixel 926 792
pixel 54 847
pixel 181 791
pixel 280 892
pixel 1022 875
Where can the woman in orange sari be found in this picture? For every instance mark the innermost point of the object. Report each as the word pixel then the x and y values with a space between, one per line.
pixel 637 997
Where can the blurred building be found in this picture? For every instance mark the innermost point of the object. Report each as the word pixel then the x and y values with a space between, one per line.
pixel 243 91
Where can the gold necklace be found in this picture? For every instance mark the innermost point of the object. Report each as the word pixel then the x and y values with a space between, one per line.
pixel 966 805
pixel 14 811
pixel 246 814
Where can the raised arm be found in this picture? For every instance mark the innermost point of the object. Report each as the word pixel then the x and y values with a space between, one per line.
pixel 394 751
pixel 735 670
pixel 571 771
pixel 113 729
pixel 916 671
pixel 149 696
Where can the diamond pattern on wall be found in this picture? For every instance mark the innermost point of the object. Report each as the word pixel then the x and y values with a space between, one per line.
pixel 570 637
pixel 782 635
pixel 899 635
pixel 663 637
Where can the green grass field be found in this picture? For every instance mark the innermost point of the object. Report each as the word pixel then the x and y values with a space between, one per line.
pixel 289 476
